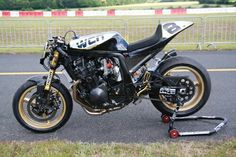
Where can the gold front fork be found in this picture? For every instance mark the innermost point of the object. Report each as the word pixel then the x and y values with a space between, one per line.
pixel 53 65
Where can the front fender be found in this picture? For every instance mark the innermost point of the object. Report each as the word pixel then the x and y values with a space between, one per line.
pixel 40 80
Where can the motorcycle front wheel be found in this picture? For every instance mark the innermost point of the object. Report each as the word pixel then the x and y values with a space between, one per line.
pixel 38 117
pixel 196 73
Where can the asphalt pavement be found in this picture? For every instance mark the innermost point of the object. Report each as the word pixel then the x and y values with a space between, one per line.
pixel 135 123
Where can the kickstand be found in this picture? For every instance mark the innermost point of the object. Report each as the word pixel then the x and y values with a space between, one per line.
pixel 174 133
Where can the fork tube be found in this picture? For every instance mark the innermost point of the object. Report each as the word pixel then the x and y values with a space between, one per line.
pixel 53 65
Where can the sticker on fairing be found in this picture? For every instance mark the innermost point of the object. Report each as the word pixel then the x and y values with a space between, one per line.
pixel 91 41
pixel 171 28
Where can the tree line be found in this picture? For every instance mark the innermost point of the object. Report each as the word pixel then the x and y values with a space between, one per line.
pixel 64 4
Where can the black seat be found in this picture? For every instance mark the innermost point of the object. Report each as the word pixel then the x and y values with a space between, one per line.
pixel 146 42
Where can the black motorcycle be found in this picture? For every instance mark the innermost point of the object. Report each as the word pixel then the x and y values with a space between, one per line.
pixel 97 67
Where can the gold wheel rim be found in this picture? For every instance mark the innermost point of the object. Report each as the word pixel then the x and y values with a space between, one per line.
pixel 199 89
pixel 32 122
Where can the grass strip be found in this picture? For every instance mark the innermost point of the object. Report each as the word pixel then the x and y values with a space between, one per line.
pixel 225 148
pixel 178 47
pixel 29 50
pixel 158 5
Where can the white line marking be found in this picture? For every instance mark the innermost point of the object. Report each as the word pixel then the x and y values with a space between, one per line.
pixel 45 73
pixel 25 73
pixel 222 70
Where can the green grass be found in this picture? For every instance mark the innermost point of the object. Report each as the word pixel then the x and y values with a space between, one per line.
pixel 178 47
pixel 53 148
pixel 156 5
pixel 205 47
pixel 30 50
pixel 33 33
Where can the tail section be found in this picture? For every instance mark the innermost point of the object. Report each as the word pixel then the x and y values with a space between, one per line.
pixel 170 29
pixel 164 34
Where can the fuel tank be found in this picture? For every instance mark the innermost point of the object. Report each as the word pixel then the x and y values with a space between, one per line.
pixel 111 41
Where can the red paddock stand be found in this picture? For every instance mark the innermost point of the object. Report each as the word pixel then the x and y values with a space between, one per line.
pixel 174 133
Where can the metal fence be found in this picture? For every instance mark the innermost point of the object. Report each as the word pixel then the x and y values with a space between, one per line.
pixel 34 33
pixel 220 29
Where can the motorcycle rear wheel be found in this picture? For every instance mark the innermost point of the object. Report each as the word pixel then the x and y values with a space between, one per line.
pixel 183 66
pixel 23 108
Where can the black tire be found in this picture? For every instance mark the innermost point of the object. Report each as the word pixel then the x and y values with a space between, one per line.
pixel 67 109
pixel 197 68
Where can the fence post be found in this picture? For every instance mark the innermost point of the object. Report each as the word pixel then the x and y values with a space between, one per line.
pixel 50 29
pixel 126 29
pixel 203 28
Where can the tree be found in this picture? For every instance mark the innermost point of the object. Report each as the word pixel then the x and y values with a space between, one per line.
pixel 3 5
pixel 36 4
pixel 22 4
